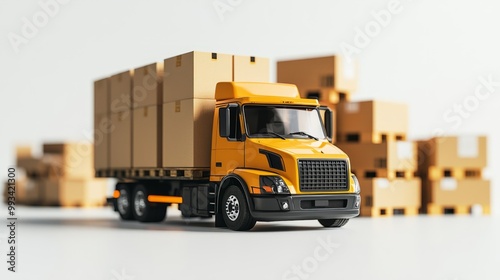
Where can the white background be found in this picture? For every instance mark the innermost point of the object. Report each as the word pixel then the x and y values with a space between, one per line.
pixel 429 54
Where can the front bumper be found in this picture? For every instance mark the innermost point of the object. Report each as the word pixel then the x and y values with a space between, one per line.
pixel 305 207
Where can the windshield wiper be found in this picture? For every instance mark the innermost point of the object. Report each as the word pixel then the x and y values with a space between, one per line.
pixel 275 134
pixel 303 133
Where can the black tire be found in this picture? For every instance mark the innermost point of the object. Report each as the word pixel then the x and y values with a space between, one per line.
pixel 333 222
pixel 235 211
pixel 143 210
pixel 219 220
pixel 124 202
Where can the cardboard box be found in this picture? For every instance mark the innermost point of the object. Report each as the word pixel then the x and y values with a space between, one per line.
pixel 11 189
pixel 321 76
pixel 371 121
pixel 147 135
pixel 84 193
pixel 33 192
pixel 34 167
pixel 195 74
pixel 121 92
pixel 452 192
pixel 397 193
pixel 391 156
pixel 75 192
pixel 28 191
pixel 453 151
pixel 187 133
pixel 23 152
pixel 327 97
pixel 250 69
pixel 50 193
pixel 121 141
pixel 148 85
pixel 102 130
pixel 70 160
pixel 101 96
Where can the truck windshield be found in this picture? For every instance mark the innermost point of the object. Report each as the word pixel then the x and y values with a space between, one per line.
pixel 283 122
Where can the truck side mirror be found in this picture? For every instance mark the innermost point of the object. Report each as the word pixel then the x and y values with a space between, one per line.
pixel 328 122
pixel 229 124
pixel 224 122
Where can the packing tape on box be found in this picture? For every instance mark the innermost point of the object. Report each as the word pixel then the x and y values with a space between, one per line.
pixel 448 184
pixel 382 183
pixel 404 150
pixel 468 146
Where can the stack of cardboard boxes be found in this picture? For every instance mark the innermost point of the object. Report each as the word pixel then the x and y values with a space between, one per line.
pixel 329 79
pixel 63 176
pixel 451 170
pixel 157 118
pixel 147 97
pixel 102 123
pixel 127 118
pixel 160 115
pixel 373 134
pixel 121 120
pixel 188 95
pixel 26 190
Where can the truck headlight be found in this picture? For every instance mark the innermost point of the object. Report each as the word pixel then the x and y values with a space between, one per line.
pixel 273 185
pixel 357 187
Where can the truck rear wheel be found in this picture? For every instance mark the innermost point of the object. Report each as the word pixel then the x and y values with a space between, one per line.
pixel 124 202
pixel 235 211
pixel 333 222
pixel 145 211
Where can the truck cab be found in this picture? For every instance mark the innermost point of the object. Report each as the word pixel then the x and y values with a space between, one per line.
pixel 272 159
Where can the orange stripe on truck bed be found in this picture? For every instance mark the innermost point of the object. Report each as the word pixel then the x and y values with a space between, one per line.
pixel 165 199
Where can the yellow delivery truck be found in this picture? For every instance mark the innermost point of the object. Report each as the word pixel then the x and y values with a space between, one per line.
pixel 269 158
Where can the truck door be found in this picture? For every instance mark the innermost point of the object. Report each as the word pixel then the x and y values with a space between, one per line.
pixel 229 150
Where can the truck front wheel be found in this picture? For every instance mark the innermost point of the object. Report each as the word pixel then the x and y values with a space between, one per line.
pixel 145 211
pixel 333 222
pixel 235 210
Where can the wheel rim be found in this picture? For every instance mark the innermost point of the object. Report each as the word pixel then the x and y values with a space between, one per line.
pixel 139 203
pixel 232 208
pixel 123 204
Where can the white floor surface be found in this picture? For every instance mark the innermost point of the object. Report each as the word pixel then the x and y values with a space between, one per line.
pixel 56 243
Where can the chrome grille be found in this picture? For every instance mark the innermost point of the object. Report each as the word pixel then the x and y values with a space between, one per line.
pixel 323 175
